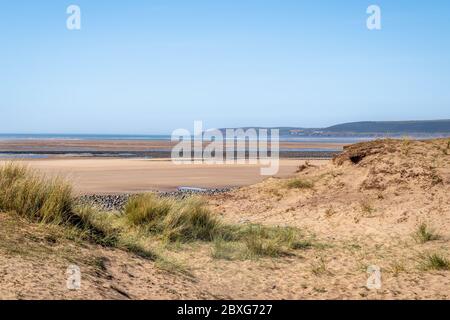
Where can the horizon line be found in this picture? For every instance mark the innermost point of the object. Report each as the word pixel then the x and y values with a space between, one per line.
pixel 219 128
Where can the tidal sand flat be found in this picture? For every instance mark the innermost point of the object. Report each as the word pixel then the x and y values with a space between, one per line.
pixel 85 147
pixel 98 145
pixel 113 176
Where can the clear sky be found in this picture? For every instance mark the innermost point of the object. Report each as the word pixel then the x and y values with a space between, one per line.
pixel 153 66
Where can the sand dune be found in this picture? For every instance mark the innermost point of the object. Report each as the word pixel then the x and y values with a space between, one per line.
pixel 366 208
pixel 362 209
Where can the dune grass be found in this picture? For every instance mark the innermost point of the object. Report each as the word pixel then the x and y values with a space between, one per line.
pixel 146 220
pixel 189 219
pixel 406 145
pixel 319 267
pixel 298 183
pixel 29 194
pixel 434 261
pixel 366 208
pixel 181 220
pixel 256 241
pixel 446 150
pixel 50 200
pixel 424 234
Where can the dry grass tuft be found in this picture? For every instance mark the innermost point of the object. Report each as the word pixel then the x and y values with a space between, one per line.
pixel 298 183
pixel 319 267
pixel 256 241
pixel 366 208
pixel 424 234
pixel 434 261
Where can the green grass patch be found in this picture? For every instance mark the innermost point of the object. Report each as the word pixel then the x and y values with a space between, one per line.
pixel 435 261
pixel 424 234
pixel 187 220
pixel 298 183
pixel 256 241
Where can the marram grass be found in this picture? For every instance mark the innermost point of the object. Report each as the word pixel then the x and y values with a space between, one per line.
pixel 32 195
pixel 146 220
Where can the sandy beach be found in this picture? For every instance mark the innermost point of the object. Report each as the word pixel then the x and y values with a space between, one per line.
pixel 112 176
pixel 365 208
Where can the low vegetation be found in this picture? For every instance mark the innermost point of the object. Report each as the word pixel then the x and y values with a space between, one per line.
pixel 181 220
pixel 319 267
pixel 424 234
pixel 367 208
pixel 30 195
pixel 298 183
pixel 406 145
pixel 330 212
pixel 255 241
pixel 447 149
pixel 147 221
pixel 435 261
pixel 397 267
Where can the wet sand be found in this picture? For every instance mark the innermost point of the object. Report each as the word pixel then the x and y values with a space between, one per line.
pixel 128 145
pixel 115 176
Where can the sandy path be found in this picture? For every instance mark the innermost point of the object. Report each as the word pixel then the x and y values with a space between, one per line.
pixel 135 175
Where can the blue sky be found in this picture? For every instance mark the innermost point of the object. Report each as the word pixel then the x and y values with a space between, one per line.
pixel 152 66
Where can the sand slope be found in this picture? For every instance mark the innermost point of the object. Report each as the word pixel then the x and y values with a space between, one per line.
pixel 364 207
pixel 34 260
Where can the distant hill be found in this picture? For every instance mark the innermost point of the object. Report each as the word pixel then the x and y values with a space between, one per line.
pixel 432 126
pixel 372 128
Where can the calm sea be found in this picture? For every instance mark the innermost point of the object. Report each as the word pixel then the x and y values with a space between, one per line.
pixel 23 136
pixel 162 137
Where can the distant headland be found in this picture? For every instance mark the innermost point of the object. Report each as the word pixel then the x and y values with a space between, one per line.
pixel 420 128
